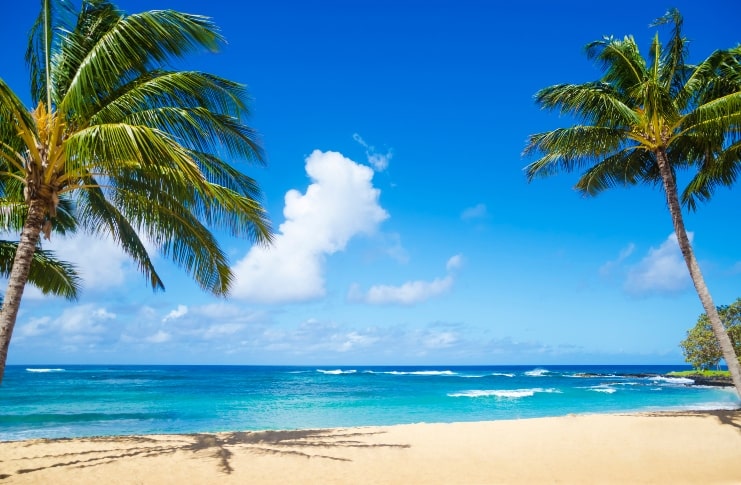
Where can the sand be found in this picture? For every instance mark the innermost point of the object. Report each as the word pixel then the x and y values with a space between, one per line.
pixel 671 448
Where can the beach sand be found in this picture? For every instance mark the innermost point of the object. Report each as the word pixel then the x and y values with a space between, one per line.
pixel 672 448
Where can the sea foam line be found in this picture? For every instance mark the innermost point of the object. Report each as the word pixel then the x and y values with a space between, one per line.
pixel 672 380
pixel 44 370
pixel 416 373
pixel 503 393
pixel 537 372
pixel 336 371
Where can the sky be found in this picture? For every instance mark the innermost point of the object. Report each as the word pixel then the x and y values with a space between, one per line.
pixel 405 229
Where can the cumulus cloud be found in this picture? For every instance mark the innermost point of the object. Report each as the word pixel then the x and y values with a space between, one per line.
pixel 478 211
pixel 410 292
pixel 80 324
pixel 379 161
pixel 661 271
pixel 180 311
pixel 101 264
pixel 340 203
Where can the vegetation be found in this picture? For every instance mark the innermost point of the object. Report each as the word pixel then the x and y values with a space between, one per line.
pixel 701 372
pixel 135 149
pixel 701 349
pixel 643 121
pixel 48 274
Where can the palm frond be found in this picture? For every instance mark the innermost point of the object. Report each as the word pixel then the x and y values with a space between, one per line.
pixel 99 216
pixel 48 274
pixel 673 72
pixel 569 149
pixel 136 43
pixel 160 88
pixel 593 103
pixel 55 18
pixel 621 61
pixel 719 171
pixel 629 166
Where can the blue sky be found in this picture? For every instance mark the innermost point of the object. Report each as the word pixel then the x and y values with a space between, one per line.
pixel 406 231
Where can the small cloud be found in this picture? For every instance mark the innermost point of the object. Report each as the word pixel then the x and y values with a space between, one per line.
pixel 661 271
pixel 180 311
pixel 454 262
pixel 159 337
pixel 607 268
pixel 394 248
pixel 378 161
pixel 408 293
pixel 478 211
pixel 35 327
pixel 440 340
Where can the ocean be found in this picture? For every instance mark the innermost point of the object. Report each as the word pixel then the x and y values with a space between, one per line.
pixel 101 400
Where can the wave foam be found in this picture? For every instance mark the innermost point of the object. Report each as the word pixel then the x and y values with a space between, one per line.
pixel 673 380
pixel 44 370
pixel 502 393
pixel 604 389
pixel 421 373
pixel 537 372
pixel 337 371
pixel 503 374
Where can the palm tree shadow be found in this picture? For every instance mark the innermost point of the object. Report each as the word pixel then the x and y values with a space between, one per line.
pixel 726 417
pixel 294 443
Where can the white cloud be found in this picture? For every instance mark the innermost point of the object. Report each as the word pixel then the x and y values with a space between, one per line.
pixel 79 324
pixel 159 337
pixel 607 268
pixel 36 326
pixel 394 248
pixel 663 270
pixel 379 161
pixel 440 340
pixel 478 211
pixel 222 330
pixel 410 292
pixel 180 311
pixel 101 264
pixel 454 263
pixel 340 203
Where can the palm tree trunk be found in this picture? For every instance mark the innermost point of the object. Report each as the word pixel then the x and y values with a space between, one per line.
pixel 18 277
pixel 724 341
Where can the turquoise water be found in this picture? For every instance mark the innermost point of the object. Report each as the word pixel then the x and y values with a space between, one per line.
pixel 73 401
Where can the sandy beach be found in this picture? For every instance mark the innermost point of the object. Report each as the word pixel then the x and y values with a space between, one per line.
pixel 671 448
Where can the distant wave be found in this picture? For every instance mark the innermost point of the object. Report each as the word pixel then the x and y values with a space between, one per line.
pixel 503 374
pixel 337 371
pixel 604 389
pixel 419 373
pixel 44 370
pixel 673 380
pixel 537 372
pixel 503 393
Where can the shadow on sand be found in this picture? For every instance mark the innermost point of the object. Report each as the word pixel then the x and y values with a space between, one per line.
pixel 304 443
pixel 726 417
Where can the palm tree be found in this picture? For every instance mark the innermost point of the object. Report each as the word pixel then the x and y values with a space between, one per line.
pixel 644 120
pixel 138 149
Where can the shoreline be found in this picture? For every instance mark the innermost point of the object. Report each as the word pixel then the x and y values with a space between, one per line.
pixel 655 447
